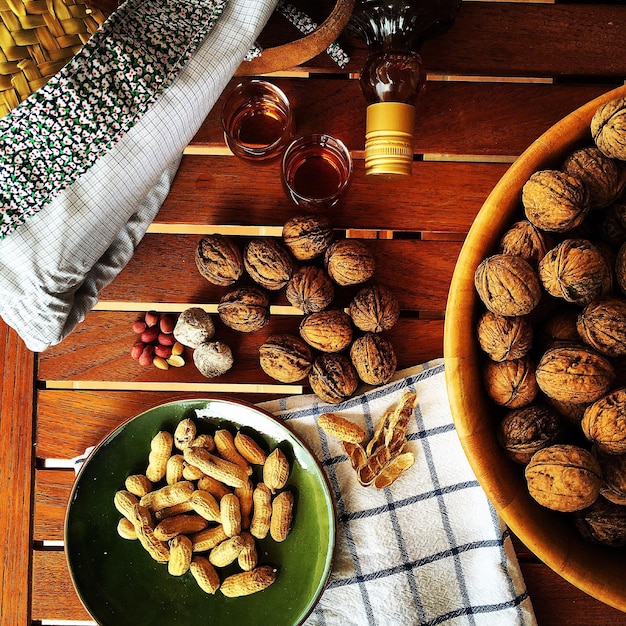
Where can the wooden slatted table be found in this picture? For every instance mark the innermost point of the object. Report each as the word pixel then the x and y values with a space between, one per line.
pixel 501 77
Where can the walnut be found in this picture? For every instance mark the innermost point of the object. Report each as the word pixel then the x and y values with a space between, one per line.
pixel 612 224
pixel 603 176
pixel 219 260
pixel 268 263
pixel 285 358
pixel 602 325
pixel 307 236
pixel 620 268
pixel 560 327
pixel 349 262
pixel 333 378
pixel 574 373
pixel 511 383
pixel 374 358
pixel 374 309
pixel 310 289
pixel 213 358
pixel 507 285
pixel 245 309
pixel 504 338
pixel 563 478
pixel 193 327
pixel 613 467
pixel 526 240
pixel 327 331
pixel 603 523
pixel 555 201
pixel 572 411
pixel 604 422
pixel 574 270
pixel 523 431
pixel 608 128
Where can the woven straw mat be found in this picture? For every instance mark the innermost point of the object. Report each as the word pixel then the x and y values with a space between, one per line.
pixel 37 38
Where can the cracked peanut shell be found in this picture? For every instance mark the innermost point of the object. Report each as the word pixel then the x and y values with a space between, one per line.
pixel 574 373
pixel 268 263
pixel 244 309
pixel 285 358
pixel 563 478
pixel 507 285
pixel 555 201
pixel 374 309
pixel 374 358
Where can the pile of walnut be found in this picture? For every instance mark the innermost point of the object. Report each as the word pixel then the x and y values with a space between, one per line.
pixel 208 513
pixel 555 332
pixel 384 458
pixel 309 266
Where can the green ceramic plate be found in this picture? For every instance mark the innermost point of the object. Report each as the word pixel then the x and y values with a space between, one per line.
pixel 120 584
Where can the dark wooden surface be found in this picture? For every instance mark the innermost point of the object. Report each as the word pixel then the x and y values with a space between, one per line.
pixel 504 74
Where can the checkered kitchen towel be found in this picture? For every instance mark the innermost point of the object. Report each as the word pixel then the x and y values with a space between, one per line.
pixel 429 549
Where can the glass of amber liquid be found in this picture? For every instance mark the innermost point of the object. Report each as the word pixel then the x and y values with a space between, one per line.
pixel 257 120
pixel 316 171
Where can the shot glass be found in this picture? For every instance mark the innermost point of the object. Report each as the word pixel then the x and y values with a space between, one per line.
pixel 316 171
pixel 257 120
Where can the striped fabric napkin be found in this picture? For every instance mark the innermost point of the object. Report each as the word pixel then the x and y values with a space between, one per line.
pixel 430 549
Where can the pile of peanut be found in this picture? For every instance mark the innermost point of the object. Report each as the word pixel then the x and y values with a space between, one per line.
pixel 197 508
pixel 155 343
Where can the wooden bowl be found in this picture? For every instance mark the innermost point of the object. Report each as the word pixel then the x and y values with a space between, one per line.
pixel 597 570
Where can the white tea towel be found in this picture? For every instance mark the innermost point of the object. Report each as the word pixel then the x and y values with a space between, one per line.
pixel 430 549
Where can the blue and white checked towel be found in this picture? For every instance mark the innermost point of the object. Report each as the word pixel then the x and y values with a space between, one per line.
pixel 430 549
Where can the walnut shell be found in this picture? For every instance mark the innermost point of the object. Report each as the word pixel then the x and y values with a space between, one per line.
pixel 526 240
pixel 327 331
pixel 575 270
pixel 613 467
pixel 608 128
pixel 374 309
pixel 333 378
pixel 193 327
pixel 511 383
pixel 602 325
pixel 268 263
pixel 555 201
pixel 307 236
pixel 504 338
pixel 603 176
pixel 507 285
pixel 310 289
pixel 604 422
pixel 560 327
pixel 213 358
pixel 574 373
pixel 620 268
pixel 373 358
pixel 219 259
pixel 603 523
pixel 612 225
pixel 522 432
pixel 244 309
pixel 349 262
pixel 285 358
pixel 563 478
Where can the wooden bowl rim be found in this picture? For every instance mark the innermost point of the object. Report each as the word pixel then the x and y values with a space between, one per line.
pixel 596 570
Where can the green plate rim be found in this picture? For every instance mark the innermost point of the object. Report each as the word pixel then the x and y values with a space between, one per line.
pixel 198 403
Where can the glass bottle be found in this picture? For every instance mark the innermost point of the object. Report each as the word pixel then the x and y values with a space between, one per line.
pixel 393 74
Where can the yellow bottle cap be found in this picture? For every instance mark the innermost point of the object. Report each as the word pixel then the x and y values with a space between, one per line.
pixel 389 138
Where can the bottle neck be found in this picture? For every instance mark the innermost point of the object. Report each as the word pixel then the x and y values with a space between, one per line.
pixel 392 76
